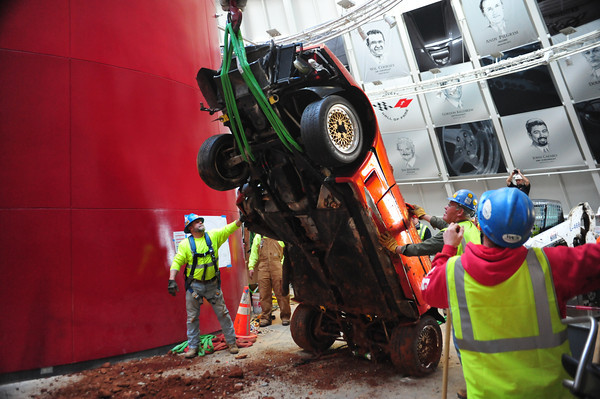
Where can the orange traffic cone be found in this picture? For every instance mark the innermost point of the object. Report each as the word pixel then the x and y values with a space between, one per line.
pixel 242 319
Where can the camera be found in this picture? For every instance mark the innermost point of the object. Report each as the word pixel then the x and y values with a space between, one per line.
pixel 516 171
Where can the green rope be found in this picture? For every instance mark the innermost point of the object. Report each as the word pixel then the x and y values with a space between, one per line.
pixel 234 43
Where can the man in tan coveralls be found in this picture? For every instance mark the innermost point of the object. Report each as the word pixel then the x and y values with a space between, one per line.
pixel 266 256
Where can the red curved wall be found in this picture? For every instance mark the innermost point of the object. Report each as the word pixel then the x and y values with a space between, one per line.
pixel 99 131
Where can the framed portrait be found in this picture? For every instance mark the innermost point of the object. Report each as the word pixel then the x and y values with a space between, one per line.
pixel 498 25
pixel 378 52
pixel 582 70
pixel 398 113
pixel 588 113
pixel 541 139
pixel 523 91
pixel 434 35
pixel 560 14
pixel 471 149
pixel 452 105
pixel 411 155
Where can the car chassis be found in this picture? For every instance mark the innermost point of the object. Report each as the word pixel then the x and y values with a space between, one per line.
pixel 323 185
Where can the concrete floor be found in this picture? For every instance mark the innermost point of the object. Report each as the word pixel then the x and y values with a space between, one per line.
pixel 277 337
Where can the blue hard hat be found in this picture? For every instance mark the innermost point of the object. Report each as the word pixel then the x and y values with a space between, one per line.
pixel 465 198
pixel 506 216
pixel 189 219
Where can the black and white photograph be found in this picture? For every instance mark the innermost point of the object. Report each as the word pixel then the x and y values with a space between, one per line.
pixel 455 104
pixel 378 51
pixel 523 91
pixel 436 40
pixel 561 14
pixel 542 139
pixel 582 70
pixel 589 118
pixel 398 113
pixel 411 155
pixel 498 25
pixel 471 149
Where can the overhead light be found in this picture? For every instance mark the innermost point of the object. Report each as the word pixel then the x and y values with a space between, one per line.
pixel 391 21
pixel 273 32
pixel 435 70
pixel 569 30
pixel 569 61
pixel 497 55
pixel 362 33
pixel 346 4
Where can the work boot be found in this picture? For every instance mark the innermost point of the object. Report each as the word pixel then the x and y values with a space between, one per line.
pixel 192 352
pixel 461 394
pixel 233 349
pixel 265 322
pixel 285 322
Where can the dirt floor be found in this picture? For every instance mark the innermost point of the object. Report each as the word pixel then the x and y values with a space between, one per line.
pixel 273 367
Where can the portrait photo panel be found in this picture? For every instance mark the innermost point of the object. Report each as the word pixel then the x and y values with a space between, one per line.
pixel 471 149
pixel 452 105
pixel 498 25
pixel 398 113
pixel 434 35
pixel 378 52
pixel 582 70
pixel 411 155
pixel 541 139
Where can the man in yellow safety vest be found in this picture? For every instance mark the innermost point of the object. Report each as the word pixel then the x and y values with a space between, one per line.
pixel 507 301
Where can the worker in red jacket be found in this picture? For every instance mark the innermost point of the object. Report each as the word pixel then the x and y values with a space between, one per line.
pixel 506 301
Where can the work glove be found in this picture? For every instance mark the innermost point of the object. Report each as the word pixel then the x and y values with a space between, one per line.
pixel 173 288
pixel 416 210
pixel 388 241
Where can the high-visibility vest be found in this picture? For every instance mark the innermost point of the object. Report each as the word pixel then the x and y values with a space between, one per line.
pixel 471 234
pixel 510 335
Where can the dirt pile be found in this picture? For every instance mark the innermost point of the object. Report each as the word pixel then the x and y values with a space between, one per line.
pixel 172 376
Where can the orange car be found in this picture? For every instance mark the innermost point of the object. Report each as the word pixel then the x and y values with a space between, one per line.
pixel 312 171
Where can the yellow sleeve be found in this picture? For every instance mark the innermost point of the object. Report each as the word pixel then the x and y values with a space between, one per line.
pixel 182 256
pixel 254 252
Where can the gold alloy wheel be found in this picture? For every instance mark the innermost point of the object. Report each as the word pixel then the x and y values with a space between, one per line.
pixel 341 124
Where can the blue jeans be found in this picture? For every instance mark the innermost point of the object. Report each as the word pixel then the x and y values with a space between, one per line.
pixel 214 296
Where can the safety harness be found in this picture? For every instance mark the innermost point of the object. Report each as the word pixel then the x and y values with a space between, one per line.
pixel 196 256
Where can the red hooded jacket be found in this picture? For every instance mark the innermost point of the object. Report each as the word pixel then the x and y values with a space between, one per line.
pixel 575 270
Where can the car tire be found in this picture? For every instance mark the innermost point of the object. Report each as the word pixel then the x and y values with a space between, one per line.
pixel 303 328
pixel 331 132
pixel 471 149
pixel 214 167
pixel 416 349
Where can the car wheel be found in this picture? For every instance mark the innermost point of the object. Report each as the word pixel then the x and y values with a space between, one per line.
pixel 416 349
pixel 303 328
pixel 471 150
pixel 216 165
pixel 331 132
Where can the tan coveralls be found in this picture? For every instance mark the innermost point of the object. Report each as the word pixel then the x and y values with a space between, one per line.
pixel 266 257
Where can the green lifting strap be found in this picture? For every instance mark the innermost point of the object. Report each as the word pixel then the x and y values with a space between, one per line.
pixel 206 344
pixel 234 43
pixel 180 348
pixel 234 117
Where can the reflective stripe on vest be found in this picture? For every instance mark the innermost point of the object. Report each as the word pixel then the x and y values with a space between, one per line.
pixel 545 339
